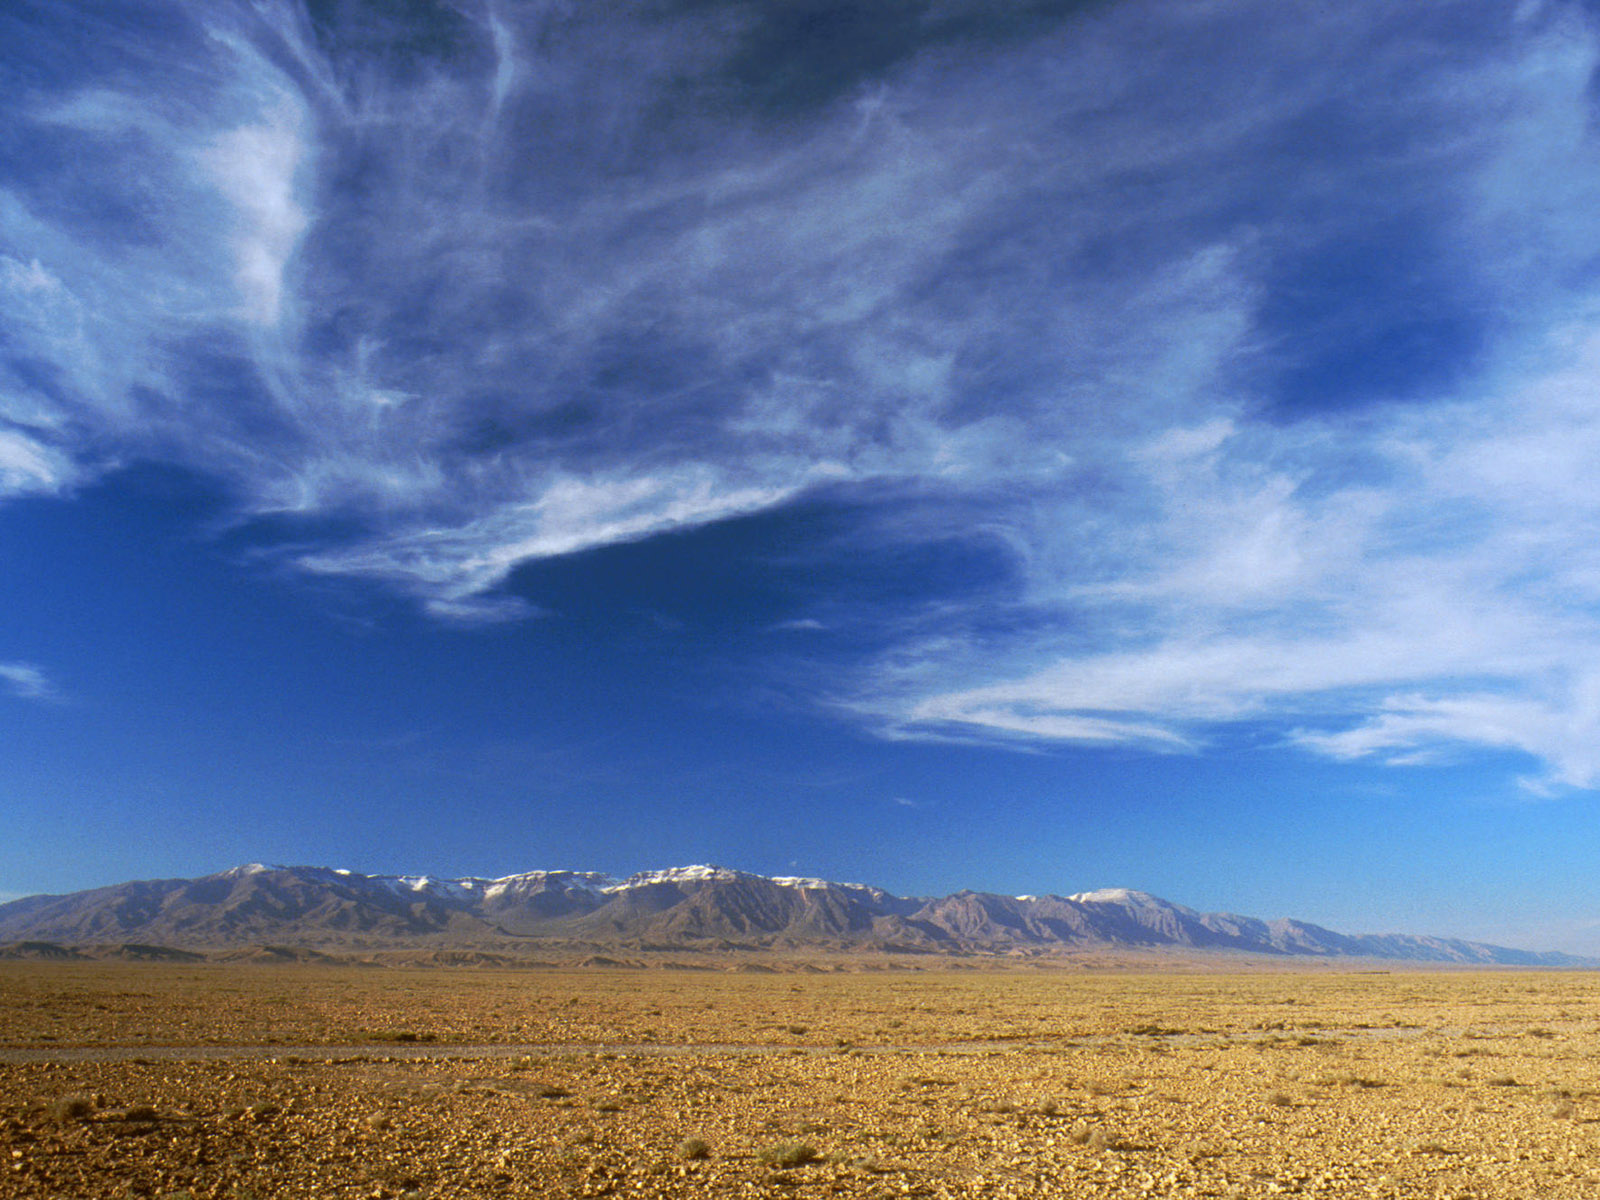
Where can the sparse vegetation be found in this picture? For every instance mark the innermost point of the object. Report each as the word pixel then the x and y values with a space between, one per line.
pixel 71 1108
pixel 1348 1079
pixel 788 1154
pixel 1101 1138
pixel 970 1094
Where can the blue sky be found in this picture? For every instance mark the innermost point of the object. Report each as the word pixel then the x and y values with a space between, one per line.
pixel 1032 447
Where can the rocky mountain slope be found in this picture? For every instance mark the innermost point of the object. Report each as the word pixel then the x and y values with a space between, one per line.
pixel 685 908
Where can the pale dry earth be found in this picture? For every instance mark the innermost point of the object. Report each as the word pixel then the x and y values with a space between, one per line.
pixel 228 1082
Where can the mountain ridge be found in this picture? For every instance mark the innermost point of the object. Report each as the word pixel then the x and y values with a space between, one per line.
pixel 698 907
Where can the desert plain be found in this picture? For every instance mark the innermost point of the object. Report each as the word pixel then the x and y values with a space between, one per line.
pixel 230 1081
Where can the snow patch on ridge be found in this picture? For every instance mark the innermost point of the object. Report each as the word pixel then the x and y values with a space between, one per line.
pixel 415 884
pixel 594 882
pixel 1111 896
pixel 701 873
pixel 698 873
pixel 472 885
pixel 600 884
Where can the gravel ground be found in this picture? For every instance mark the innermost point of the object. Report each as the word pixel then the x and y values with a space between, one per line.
pixel 230 1083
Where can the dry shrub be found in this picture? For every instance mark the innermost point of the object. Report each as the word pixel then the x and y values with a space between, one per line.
pixel 787 1154
pixel 1431 1147
pixel 1095 1137
pixel 71 1108
pixel 1104 1139
pixel 1347 1079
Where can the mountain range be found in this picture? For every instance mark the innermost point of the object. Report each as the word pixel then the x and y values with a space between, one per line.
pixel 681 909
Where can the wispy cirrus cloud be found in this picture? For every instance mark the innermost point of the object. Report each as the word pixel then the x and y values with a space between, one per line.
pixel 1238 328
pixel 1418 582
pixel 27 682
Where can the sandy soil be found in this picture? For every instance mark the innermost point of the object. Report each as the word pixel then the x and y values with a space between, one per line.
pixel 231 1082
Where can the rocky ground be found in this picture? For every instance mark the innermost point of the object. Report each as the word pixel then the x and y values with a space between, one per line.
pixel 225 1083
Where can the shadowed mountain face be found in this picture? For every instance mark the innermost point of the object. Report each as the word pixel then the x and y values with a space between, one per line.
pixel 683 908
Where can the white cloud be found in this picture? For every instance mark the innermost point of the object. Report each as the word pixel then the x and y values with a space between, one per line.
pixel 1125 295
pixel 1445 598
pixel 28 466
pixel 1394 581
pixel 27 682
pixel 255 167
pixel 1563 732
pixel 455 565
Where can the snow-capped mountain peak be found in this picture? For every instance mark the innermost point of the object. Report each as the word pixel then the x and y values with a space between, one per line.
pixel 1111 896
pixel 683 908
pixel 698 873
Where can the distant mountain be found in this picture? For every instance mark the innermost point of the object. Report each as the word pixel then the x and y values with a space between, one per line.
pixel 685 908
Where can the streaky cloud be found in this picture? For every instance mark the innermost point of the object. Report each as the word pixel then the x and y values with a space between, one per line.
pixel 1447 590
pixel 27 682
pixel 1261 338
pixel 254 168
pixel 28 466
